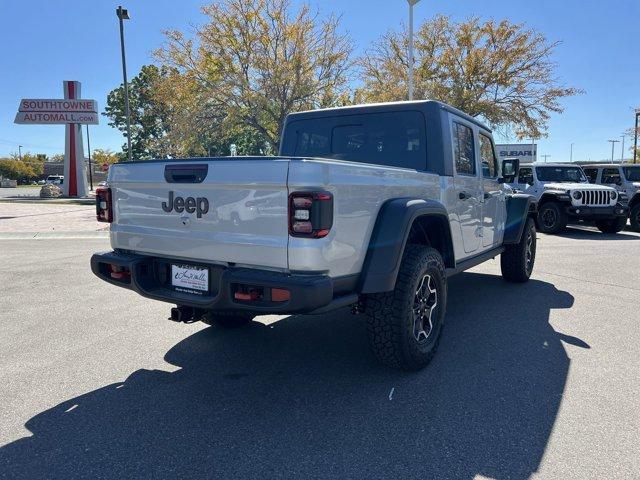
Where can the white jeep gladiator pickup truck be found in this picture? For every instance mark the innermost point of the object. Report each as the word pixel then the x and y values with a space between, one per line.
pixel 372 206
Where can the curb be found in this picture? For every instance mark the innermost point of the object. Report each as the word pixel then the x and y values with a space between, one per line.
pixel 54 201
pixel 52 235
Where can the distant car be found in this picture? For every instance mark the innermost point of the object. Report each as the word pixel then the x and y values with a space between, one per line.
pixel 102 184
pixel 42 182
pixel 55 180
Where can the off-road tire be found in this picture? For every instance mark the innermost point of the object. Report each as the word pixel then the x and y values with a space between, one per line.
pixel 227 320
pixel 555 210
pixel 634 218
pixel 390 315
pixel 517 260
pixel 613 225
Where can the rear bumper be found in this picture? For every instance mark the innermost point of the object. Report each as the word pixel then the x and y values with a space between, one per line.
pixel 149 276
pixel 587 213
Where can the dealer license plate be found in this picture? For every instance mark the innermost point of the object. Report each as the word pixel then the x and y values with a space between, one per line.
pixel 190 278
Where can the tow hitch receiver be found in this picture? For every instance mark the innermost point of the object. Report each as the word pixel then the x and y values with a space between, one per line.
pixel 185 314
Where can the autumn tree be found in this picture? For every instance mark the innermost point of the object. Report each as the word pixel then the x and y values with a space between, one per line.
pixel 500 71
pixel 101 156
pixel 148 115
pixel 254 61
pixel 27 168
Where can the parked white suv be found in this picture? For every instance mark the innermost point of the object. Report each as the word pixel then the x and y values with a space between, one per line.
pixel 371 206
pixel 565 195
pixel 625 179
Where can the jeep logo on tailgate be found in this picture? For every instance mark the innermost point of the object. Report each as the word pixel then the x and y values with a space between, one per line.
pixel 199 205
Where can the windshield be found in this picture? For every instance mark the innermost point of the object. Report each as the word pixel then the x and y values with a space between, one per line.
pixel 632 174
pixel 561 174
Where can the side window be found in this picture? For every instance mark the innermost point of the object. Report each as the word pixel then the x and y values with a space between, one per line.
pixel 591 173
pixel 611 175
pixel 463 149
pixel 489 163
pixel 526 175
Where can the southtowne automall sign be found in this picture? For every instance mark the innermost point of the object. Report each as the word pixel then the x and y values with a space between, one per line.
pixel 72 111
pixel 46 111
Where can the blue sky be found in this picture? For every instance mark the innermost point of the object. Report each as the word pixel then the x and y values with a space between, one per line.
pixel 46 42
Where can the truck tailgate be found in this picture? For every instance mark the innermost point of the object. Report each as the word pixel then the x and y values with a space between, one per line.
pixel 220 211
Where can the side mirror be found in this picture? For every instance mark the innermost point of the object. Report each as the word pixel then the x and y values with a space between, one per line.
pixel 510 168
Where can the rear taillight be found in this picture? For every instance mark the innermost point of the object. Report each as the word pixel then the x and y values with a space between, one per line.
pixel 310 214
pixel 104 208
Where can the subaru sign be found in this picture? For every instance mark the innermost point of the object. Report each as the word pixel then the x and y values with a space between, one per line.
pixel 525 152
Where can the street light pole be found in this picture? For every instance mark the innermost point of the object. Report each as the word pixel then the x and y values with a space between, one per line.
pixel 622 153
pixel 89 152
pixel 411 4
pixel 635 139
pixel 20 152
pixel 613 146
pixel 545 157
pixel 571 153
pixel 123 14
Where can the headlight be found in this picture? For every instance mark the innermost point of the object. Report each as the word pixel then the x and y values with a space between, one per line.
pixel 577 194
pixel 613 195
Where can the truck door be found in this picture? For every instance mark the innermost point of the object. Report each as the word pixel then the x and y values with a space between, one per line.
pixel 467 185
pixel 493 206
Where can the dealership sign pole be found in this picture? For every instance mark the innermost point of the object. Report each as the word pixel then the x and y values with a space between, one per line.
pixel 73 112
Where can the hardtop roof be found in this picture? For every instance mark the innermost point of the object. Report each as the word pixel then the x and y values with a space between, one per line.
pixel 382 107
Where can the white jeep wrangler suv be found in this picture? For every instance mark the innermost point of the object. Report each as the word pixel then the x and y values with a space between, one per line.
pixel 565 195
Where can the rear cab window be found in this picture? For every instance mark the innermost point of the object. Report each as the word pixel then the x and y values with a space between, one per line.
pixel 463 149
pixel 396 139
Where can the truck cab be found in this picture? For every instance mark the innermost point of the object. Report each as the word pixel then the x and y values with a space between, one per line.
pixel 565 195
pixel 625 179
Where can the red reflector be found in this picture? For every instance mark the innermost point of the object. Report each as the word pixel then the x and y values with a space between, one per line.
pixel 280 295
pixel 322 196
pixel 250 296
pixel 302 227
pixel 119 273
pixel 322 233
pixel 302 202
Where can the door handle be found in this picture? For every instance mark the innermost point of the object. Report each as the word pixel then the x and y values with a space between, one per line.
pixel 464 196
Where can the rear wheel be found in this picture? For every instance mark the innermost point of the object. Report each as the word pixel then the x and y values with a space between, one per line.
pixel 404 325
pixel 516 262
pixel 634 217
pixel 227 319
pixel 613 225
pixel 551 218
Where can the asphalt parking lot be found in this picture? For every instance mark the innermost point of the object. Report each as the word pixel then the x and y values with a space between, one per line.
pixel 535 380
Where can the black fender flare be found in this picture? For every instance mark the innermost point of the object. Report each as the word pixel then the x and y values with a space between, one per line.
pixel 519 207
pixel 389 237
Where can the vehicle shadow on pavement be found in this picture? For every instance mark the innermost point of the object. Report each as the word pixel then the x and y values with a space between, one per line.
pixel 585 233
pixel 304 398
